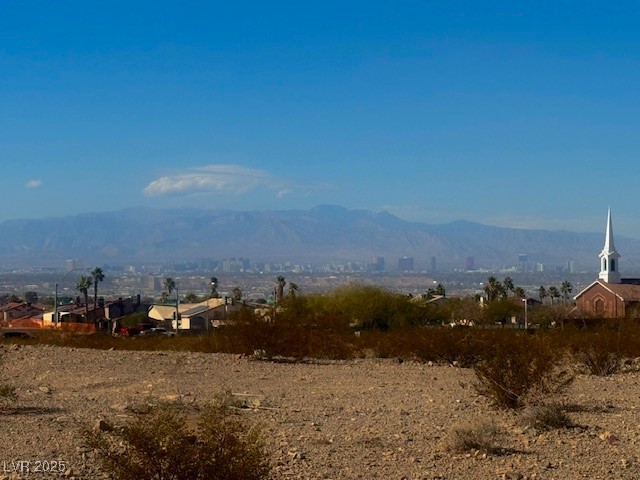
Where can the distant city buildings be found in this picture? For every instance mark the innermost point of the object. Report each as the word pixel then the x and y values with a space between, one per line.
pixel 405 264
pixel 74 264
pixel 470 263
pixel 377 264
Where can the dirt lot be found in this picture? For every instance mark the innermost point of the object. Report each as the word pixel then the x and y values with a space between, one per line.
pixel 364 419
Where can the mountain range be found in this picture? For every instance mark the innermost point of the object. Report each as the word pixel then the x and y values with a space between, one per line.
pixel 324 233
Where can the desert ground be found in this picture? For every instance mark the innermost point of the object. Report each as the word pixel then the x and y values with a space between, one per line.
pixel 357 419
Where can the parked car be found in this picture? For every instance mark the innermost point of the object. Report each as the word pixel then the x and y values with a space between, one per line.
pixel 130 331
pixel 157 331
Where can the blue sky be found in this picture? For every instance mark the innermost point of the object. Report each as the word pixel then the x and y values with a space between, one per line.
pixel 511 113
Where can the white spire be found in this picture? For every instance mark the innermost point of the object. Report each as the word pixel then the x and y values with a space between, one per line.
pixel 609 247
pixel 609 256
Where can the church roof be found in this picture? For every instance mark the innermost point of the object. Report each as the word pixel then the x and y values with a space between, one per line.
pixel 626 292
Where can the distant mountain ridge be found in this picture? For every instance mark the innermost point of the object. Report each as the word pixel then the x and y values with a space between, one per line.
pixel 324 233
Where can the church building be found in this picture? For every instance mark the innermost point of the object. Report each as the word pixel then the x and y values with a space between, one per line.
pixel 610 296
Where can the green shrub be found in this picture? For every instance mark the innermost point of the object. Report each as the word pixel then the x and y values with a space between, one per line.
pixel 518 366
pixel 159 444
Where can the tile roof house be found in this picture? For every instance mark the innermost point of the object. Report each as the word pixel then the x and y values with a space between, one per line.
pixel 15 310
pixel 611 296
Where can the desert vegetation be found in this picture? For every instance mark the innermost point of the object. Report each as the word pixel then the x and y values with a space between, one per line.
pixel 170 441
pixel 365 321
pixel 523 376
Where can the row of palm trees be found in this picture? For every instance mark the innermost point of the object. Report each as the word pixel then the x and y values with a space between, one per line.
pixel 84 284
pixel 496 289
pixel 553 292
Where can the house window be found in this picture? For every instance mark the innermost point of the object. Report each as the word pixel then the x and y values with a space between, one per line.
pixel 599 306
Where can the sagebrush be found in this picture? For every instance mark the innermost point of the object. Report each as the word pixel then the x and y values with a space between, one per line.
pixel 166 443
pixel 513 372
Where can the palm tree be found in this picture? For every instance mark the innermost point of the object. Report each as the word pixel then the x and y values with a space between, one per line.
pixel 280 288
pixel 493 288
pixel 542 293
pixel 97 276
pixel 214 287
pixel 566 289
pixel 508 284
pixel 519 292
pixel 83 286
pixel 169 286
pixel 293 288
pixel 236 294
pixel 553 293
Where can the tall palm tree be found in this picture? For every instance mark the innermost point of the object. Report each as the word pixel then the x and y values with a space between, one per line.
pixel 214 287
pixel 236 294
pixel 508 284
pixel 169 286
pixel 83 286
pixel 280 288
pixel 97 276
pixel 566 288
pixel 493 288
pixel 553 293
pixel 542 293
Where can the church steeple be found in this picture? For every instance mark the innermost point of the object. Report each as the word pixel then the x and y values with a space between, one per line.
pixel 609 256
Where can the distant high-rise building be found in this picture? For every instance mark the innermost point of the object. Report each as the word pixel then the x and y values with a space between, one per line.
pixel 377 264
pixel 405 264
pixel 571 266
pixel 470 263
pixel 74 264
pixel 523 262
pixel 153 284
pixel 433 264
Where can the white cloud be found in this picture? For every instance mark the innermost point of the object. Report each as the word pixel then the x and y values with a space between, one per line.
pixel 232 179
pixel 33 183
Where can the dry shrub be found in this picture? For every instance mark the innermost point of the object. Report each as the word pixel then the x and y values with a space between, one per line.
pixel 295 330
pixel 517 368
pixel 479 436
pixel 159 444
pixel 396 343
pixel 454 346
pixel 546 416
pixel 598 351
pixel 7 392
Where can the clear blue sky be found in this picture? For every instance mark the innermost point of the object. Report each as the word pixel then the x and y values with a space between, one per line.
pixel 511 113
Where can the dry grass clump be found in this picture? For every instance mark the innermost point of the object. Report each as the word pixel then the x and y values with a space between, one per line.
pixel 164 443
pixel 518 367
pixel 478 436
pixel 544 417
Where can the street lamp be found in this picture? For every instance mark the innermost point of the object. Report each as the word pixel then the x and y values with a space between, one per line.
pixel 526 325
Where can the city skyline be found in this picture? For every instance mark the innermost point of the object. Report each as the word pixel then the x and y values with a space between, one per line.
pixel 510 114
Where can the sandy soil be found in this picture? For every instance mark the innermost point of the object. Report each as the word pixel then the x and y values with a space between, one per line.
pixel 364 419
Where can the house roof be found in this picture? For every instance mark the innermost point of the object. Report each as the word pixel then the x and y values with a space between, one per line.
pixel 624 291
